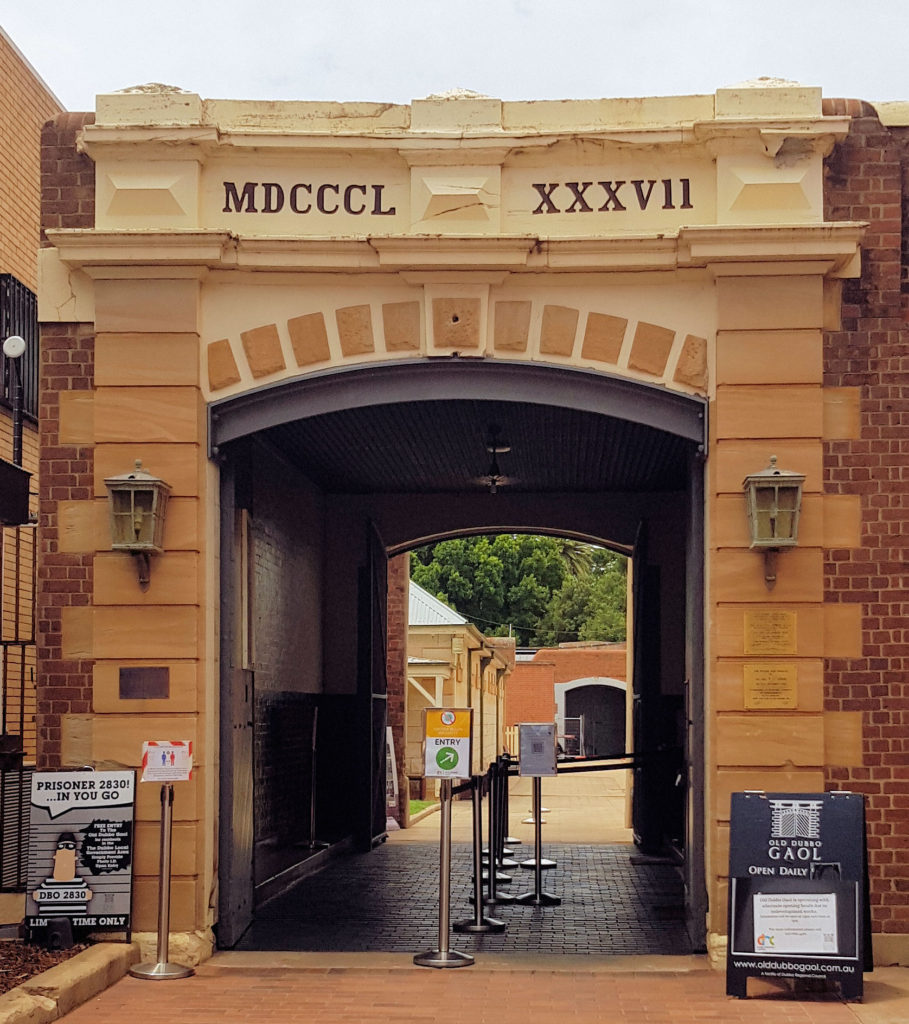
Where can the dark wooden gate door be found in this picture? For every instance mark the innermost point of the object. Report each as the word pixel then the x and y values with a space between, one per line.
pixel 236 839
pixel 373 687
pixel 646 804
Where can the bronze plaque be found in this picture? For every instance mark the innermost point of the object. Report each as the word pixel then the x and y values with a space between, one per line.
pixel 770 632
pixel 771 686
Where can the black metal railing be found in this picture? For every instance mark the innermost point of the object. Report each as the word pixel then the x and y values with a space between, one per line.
pixel 19 315
pixel 18 703
pixel 15 814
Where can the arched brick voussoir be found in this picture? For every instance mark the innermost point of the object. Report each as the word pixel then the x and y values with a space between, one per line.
pixel 602 338
pixel 364 334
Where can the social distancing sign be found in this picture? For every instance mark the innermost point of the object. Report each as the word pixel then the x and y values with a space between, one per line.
pixel 167 760
pixel 446 743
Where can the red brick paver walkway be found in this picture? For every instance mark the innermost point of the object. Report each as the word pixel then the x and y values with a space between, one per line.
pixel 396 992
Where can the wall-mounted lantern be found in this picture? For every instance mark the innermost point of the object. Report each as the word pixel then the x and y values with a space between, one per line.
pixel 137 504
pixel 773 501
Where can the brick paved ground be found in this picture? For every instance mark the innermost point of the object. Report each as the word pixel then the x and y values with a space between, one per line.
pixel 409 995
pixel 388 901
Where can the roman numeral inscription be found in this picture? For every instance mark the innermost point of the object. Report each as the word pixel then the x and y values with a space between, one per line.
pixel 306 197
pixel 612 196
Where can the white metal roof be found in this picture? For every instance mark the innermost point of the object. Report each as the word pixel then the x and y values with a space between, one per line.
pixel 426 610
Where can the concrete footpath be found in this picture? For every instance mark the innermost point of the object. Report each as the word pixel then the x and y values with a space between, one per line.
pixel 292 988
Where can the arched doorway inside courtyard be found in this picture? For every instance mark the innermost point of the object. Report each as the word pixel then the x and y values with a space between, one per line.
pixel 323 478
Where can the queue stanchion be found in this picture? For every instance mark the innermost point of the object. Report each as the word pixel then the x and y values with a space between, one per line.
pixel 493 897
pixel 538 862
pixel 164 761
pixel 479 923
pixel 447 734
pixel 313 843
pixel 507 761
pixel 492 856
pixel 538 898
pixel 496 844
pixel 538 757
pixel 503 853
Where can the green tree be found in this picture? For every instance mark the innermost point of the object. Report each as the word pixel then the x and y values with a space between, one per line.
pixel 503 583
pixel 588 607
pixel 543 590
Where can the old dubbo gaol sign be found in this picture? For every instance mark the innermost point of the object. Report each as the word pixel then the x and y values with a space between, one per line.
pixel 797 889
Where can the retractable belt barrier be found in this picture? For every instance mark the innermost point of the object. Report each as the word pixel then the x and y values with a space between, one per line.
pixel 479 923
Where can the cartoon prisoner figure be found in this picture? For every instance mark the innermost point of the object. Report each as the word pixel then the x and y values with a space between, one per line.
pixel 64 894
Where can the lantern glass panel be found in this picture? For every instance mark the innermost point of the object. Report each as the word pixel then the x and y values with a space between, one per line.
pixel 143 516
pixel 787 513
pixel 764 514
pixel 122 518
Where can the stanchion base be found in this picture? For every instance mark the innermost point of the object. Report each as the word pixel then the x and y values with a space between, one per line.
pixel 544 863
pixel 511 841
pixel 543 899
pixel 507 862
pixel 533 821
pixel 498 900
pixel 160 972
pixel 443 958
pixel 501 878
pixel 488 924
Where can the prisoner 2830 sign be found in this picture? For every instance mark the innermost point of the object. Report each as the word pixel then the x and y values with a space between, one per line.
pixel 80 850
pixel 798 889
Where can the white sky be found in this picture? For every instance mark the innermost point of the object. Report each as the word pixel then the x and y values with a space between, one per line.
pixel 398 50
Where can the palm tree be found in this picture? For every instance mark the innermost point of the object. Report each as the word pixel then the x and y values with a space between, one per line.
pixel 577 556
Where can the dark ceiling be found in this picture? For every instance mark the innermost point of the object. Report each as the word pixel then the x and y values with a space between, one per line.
pixel 441 446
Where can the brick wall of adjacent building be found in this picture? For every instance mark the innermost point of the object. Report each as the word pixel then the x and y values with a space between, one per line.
pixel 66 469
pixel 530 697
pixel 25 104
pixel 868 180
pixel 587 662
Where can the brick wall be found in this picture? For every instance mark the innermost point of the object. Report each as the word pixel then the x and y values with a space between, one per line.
pixel 67 177
pixel 66 470
pixel 25 104
pixel 583 663
pixel 283 766
pixel 868 180
pixel 64 578
pixel 529 695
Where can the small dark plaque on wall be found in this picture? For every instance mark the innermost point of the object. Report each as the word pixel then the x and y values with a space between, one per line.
pixel 145 683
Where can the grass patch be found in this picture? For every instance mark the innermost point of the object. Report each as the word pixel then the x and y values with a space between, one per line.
pixel 420 805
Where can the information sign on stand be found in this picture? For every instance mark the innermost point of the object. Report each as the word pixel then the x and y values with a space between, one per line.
pixel 446 743
pixel 81 846
pixel 446 755
pixel 167 762
pixel 537 751
pixel 798 889
pixel 538 757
